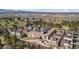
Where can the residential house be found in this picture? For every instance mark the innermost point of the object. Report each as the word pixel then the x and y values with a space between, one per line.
pixel 34 34
pixel 68 39
pixel 49 34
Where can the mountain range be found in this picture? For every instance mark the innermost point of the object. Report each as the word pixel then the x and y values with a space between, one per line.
pixel 10 11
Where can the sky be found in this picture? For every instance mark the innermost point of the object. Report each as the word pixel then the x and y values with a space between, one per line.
pixel 40 5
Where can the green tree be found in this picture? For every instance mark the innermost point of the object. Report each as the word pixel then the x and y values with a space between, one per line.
pixel 51 24
pixel 7 37
pixel 58 25
pixel 14 41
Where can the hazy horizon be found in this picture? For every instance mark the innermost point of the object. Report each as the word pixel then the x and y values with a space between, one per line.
pixel 53 10
pixel 46 10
